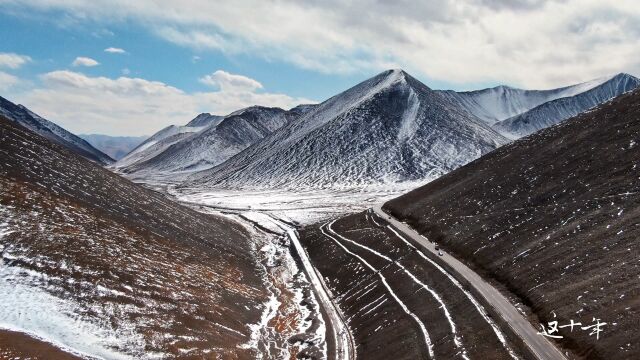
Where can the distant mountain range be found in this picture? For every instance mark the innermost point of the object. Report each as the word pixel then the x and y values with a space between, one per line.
pixel 205 141
pixel 390 129
pixel 114 146
pixel 516 112
pixel 562 108
pixel 51 131
pixel 393 129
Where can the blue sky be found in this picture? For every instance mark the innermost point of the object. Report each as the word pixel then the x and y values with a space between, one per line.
pixel 181 58
pixel 55 46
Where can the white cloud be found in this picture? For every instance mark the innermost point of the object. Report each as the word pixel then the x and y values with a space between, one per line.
pixel 84 61
pixel 134 106
pixel 7 81
pixel 13 61
pixel 230 82
pixel 114 50
pixel 530 43
pixel 194 39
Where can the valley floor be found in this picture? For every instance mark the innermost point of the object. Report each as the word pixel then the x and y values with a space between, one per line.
pixel 395 302
pixel 346 288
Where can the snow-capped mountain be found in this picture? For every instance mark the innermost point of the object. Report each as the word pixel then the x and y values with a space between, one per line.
pixel 156 144
pixel 517 112
pixel 388 129
pixel 51 131
pixel 188 148
pixel 555 111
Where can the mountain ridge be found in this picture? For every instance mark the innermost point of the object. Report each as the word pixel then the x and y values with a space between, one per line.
pixel 557 110
pixel 25 117
pixel 178 149
pixel 501 102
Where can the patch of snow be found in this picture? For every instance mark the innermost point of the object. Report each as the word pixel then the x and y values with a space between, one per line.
pixel 29 309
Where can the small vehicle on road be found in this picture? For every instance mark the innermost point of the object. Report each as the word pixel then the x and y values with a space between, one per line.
pixel 439 253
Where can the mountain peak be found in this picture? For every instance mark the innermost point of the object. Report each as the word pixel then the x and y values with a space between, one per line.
pixel 395 77
pixel 504 87
pixel 624 76
pixel 395 74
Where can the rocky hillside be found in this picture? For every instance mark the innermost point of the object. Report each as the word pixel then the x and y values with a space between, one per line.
pixel 555 218
pixel 96 266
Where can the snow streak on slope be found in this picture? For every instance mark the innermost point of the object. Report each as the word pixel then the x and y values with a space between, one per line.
pixel 456 338
pixel 51 131
pixel 423 329
pixel 501 337
pixel 27 308
pixel 409 125
pixel 351 141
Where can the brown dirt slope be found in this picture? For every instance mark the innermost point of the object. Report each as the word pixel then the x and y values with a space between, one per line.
pixel 381 327
pixel 161 278
pixel 556 218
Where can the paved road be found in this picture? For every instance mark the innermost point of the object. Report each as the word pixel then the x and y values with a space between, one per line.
pixel 539 345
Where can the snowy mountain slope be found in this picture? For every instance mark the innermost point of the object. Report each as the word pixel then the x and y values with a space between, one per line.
pixel 558 225
pixel 114 146
pixel 303 109
pixel 103 268
pixel 553 112
pixel 156 144
pixel 502 102
pixel 51 131
pixel 388 129
pixel 212 145
pixel 166 137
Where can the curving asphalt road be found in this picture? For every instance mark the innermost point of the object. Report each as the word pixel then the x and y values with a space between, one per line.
pixel 538 345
